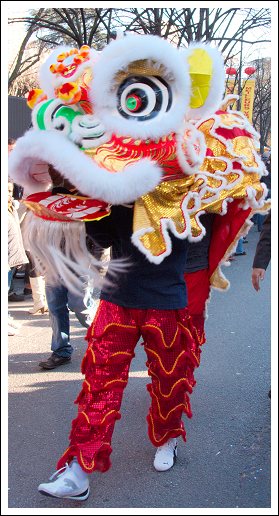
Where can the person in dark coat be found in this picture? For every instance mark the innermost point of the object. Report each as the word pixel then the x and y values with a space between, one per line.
pixel 16 252
pixel 262 254
pixel 267 181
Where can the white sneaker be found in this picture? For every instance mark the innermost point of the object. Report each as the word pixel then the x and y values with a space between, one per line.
pixel 227 263
pixel 12 331
pixel 165 455
pixel 13 323
pixel 69 482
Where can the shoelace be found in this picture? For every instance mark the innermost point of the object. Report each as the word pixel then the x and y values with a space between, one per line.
pixel 171 444
pixel 58 472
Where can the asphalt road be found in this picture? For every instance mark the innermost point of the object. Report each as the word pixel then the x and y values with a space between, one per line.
pixel 226 460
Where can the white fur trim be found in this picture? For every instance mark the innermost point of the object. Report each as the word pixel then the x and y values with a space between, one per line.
pixel 220 176
pixel 91 180
pixel 252 202
pixel 116 57
pixel 228 100
pixel 167 227
pixel 240 122
pixel 189 157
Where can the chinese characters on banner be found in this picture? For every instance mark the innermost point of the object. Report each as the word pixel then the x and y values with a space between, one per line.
pixel 247 95
pixel 247 98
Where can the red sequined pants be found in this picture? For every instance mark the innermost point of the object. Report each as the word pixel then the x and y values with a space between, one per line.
pixel 172 356
pixel 198 291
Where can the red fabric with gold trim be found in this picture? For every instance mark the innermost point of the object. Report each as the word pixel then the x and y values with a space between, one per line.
pixel 172 355
pixel 127 150
pixel 66 207
pixel 198 291
pixel 225 231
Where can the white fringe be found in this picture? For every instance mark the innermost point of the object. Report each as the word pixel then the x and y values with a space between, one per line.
pixel 60 254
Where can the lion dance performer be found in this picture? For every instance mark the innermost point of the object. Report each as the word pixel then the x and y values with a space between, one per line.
pixel 138 130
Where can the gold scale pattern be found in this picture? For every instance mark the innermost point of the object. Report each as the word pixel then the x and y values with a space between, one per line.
pixel 216 183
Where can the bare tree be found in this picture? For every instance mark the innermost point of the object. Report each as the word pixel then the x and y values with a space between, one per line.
pixel 262 101
pixel 224 27
pixel 67 26
pixel 24 61
pixel 24 83
pixel 229 29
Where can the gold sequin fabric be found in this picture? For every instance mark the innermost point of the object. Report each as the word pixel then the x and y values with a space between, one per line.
pixel 231 170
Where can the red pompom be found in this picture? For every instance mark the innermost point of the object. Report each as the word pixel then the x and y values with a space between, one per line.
pixel 231 71
pixel 250 70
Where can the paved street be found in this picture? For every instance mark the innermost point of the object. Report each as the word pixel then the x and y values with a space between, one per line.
pixel 226 460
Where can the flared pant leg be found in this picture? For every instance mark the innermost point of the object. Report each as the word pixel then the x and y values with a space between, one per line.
pixel 198 290
pixel 173 354
pixel 106 367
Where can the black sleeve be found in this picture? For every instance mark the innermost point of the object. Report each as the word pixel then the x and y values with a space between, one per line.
pixel 263 250
pixel 100 233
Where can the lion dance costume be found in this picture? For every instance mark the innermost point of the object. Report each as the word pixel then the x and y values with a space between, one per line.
pixel 138 124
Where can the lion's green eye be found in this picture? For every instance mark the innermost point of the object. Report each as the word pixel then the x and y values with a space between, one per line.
pixel 143 98
pixel 133 102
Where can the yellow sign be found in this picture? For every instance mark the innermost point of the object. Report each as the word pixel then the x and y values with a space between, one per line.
pixel 247 98
pixel 231 89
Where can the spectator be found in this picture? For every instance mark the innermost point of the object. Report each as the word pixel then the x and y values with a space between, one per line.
pixel 239 249
pixel 17 189
pixel 266 157
pixel 11 145
pixel 34 283
pixel 262 254
pixel 37 284
pixel 60 300
pixel 33 280
pixel 267 179
pixel 266 154
pixel 16 253
pixel 16 195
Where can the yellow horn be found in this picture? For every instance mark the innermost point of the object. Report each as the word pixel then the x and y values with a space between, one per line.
pixel 201 71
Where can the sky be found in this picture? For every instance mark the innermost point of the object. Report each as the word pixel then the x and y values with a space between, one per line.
pixel 15 9
pixel 16 32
